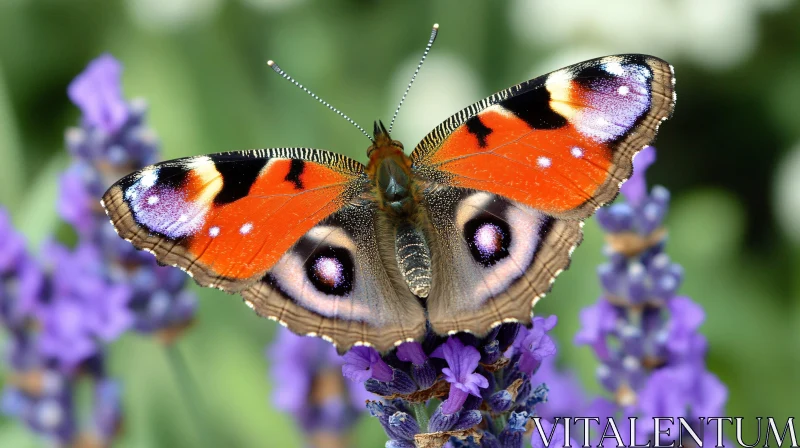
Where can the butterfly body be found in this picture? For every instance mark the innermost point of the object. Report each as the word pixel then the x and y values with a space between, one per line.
pixel 463 234
pixel 398 192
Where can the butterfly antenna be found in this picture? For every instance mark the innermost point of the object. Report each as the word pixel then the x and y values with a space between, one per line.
pixel 285 75
pixel 434 32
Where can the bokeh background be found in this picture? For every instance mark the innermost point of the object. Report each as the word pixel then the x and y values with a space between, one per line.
pixel 730 155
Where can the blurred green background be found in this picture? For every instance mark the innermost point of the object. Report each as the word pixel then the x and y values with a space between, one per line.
pixel 730 155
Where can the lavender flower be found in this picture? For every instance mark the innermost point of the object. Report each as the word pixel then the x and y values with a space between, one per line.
pixel 112 142
pixel 21 278
pixel 363 363
pixel 422 370
pixel 643 333
pixel 60 312
pixel 308 384
pixel 487 387
pixel 462 361
pixel 83 309
pixel 535 345
pixel 98 93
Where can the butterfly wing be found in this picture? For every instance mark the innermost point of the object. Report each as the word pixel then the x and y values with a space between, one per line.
pixel 492 258
pixel 277 226
pixel 558 146
pixel 561 143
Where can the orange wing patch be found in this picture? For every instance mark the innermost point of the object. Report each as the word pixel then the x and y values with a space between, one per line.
pixel 551 170
pixel 249 236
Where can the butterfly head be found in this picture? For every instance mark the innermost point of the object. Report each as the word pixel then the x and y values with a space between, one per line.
pixel 382 139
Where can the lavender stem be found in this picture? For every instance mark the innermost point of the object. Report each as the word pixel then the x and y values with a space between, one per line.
pixel 421 414
pixel 191 394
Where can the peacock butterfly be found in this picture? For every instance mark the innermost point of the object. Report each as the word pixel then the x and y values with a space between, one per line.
pixel 465 233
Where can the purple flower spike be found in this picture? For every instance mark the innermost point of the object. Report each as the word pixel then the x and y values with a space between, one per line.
pixel 686 319
pixel 97 92
pixel 412 352
pixel 462 361
pixel 12 246
pixel 635 188
pixel 76 202
pixel 597 321
pixel 534 345
pixel 362 363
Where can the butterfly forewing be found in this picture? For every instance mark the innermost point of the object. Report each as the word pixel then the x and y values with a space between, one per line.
pixel 561 143
pixel 227 218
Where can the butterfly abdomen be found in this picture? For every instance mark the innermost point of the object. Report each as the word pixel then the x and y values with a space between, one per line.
pixel 414 259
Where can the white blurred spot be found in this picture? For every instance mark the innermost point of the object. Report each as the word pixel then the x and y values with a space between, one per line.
pixel 787 194
pixel 152 200
pixel 576 152
pixel 623 90
pixel 444 86
pixel 630 363
pixel 49 414
pixel 714 33
pixel 246 228
pixel 171 14
pixel 213 232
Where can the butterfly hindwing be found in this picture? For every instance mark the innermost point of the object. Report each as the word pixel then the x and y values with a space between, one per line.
pixel 492 258
pixel 561 143
pixel 341 271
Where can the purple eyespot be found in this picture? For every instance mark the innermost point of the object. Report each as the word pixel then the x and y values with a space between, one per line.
pixel 489 239
pixel 331 271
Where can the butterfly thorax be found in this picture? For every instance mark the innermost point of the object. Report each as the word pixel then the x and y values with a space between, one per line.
pixel 398 197
pixel 390 171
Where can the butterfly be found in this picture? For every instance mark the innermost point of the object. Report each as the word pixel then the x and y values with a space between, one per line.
pixel 467 232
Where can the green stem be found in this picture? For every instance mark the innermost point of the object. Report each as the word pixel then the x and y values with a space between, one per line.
pixel 422 416
pixel 191 394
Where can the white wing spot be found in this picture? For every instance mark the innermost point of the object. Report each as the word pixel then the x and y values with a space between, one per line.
pixel 623 90
pixel 149 178
pixel 576 152
pixel 246 228
pixel 615 68
pixel 152 200
pixel 183 218
pixel 213 232
pixel 544 162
